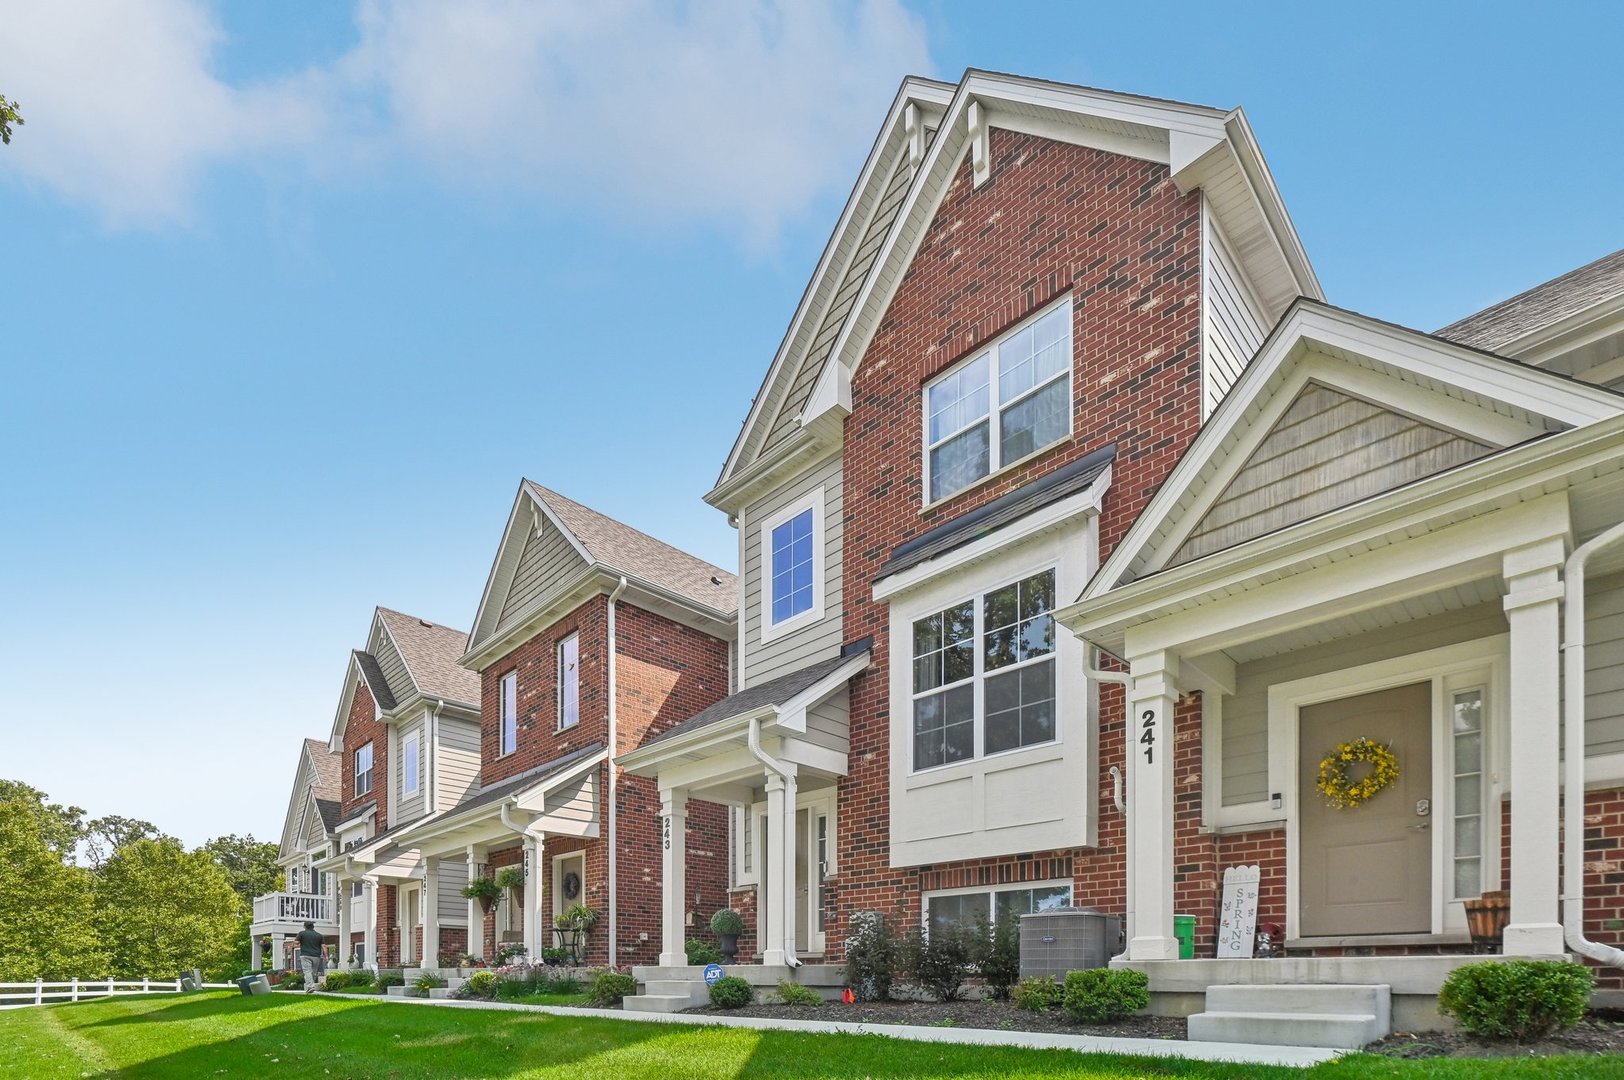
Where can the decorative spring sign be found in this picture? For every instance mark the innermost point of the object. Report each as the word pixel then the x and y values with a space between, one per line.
pixel 1340 789
pixel 1237 916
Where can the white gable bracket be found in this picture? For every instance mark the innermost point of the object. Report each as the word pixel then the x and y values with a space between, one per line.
pixel 1185 149
pixel 980 157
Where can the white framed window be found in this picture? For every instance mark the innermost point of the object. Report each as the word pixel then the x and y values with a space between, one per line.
pixel 792 566
pixel 970 907
pixel 1467 824
pixel 408 766
pixel 357 890
pixel 984 674
pixel 510 712
pixel 569 682
pixel 1003 404
pixel 363 769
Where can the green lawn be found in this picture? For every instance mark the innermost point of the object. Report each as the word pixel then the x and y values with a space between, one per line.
pixel 220 1034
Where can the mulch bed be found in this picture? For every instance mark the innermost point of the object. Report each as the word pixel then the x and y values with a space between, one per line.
pixel 996 1015
pixel 1601 1032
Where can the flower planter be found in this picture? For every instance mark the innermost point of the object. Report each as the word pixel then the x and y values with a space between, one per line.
pixel 1486 919
pixel 728 944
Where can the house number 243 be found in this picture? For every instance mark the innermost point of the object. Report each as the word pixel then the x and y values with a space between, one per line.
pixel 666 830
pixel 1147 735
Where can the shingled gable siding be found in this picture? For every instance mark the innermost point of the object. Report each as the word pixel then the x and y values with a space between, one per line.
pixel 360 729
pixel 1116 234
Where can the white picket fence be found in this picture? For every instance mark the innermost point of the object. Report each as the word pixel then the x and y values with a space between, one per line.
pixel 20 995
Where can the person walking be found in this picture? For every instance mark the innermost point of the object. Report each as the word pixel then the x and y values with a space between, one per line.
pixel 312 953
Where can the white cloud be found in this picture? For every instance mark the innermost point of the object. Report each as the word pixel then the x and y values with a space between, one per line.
pixel 742 110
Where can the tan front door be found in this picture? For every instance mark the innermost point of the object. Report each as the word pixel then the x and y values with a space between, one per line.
pixel 1368 869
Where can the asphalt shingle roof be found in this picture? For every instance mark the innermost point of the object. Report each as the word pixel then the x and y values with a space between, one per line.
pixel 327 787
pixel 620 547
pixel 1544 305
pixel 373 674
pixel 431 652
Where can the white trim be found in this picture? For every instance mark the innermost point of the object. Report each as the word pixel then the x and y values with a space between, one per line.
pixel 990 891
pixel 557 892
pixel 411 764
pixel 502 747
pixel 1482 661
pixel 812 501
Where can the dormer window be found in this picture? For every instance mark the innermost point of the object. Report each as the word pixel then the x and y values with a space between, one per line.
pixel 792 566
pixel 1001 405
pixel 363 769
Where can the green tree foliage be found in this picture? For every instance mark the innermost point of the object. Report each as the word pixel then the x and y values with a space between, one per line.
pixel 249 864
pixel 105 835
pixel 163 909
pixel 9 117
pixel 46 906
pixel 61 827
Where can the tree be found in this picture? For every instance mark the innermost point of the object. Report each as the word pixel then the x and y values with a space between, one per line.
pixel 61 827
pixel 105 835
pixel 8 116
pixel 162 909
pixel 249 864
pixel 46 906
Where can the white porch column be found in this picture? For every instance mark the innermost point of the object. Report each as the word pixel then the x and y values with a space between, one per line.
pixel 775 922
pixel 1151 703
pixel 279 956
pixel 476 911
pixel 673 880
pixel 430 907
pixel 369 939
pixel 256 952
pixel 341 899
pixel 535 931
pixel 1532 603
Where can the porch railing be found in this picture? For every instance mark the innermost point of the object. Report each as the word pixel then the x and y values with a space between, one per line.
pixel 293 907
pixel 39 992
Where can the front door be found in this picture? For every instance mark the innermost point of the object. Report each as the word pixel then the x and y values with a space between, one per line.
pixel 569 882
pixel 1367 869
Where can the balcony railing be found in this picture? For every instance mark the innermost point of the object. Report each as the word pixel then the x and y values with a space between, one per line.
pixel 293 907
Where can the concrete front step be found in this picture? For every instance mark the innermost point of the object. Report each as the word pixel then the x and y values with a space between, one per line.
pixel 1343 1017
pixel 662 1003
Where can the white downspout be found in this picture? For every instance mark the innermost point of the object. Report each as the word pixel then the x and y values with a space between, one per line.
pixel 614 817
pixel 1573 712
pixel 753 740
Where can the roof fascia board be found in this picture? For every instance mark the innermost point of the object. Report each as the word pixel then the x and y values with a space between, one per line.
pixel 804 448
pixel 480 629
pixel 353 677
pixel 1577 330
pixel 1261 181
pixel 1475 484
pixel 913 91
pixel 301 774
pixel 640 758
pixel 558 523
pixel 792 713
pixel 454 819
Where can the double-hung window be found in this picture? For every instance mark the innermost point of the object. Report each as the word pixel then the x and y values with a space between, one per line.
pixel 408 767
pixel 363 769
pixel 969 908
pixel 984 674
pixel 510 712
pixel 792 556
pixel 569 682
pixel 1003 404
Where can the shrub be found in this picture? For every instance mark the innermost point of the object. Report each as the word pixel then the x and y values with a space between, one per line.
pixel 701 952
pixel 731 992
pixel 386 979
pixel 940 960
pixel 997 955
pixel 1037 993
pixel 481 986
pixel 727 921
pixel 793 993
pixel 361 977
pixel 293 980
pixel 611 988
pixel 1099 995
pixel 338 980
pixel 1516 999
pixel 426 981
pixel 871 956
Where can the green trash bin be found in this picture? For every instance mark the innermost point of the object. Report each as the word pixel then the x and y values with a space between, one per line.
pixel 1184 930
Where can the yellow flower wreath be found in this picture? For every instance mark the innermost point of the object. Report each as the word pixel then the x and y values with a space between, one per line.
pixel 1344 793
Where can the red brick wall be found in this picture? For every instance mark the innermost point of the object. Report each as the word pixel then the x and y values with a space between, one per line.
pixel 360 728
pixel 387 932
pixel 1053 219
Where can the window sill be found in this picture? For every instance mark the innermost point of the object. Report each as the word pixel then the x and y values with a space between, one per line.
pixel 773 631
pixel 932 509
pixel 1037 752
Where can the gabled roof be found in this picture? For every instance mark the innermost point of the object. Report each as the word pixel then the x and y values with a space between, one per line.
pixel 430 652
pixel 1508 322
pixel 1488 399
pixel 328 783
pixel 1207 148
pixel 373 674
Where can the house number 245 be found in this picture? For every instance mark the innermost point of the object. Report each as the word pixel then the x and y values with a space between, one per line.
pixel 1147 735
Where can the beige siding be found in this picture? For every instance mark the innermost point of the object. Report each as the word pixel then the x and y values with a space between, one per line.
pixel 406 807
pixel 1328 450
pixel 315 833
pixel 1233 321
pixel 547 560
pixel 829 724
pixel 458 762
pixel 574 801
pixel 453 905
pixel 815 641
pixel 1245 734
pixel 1604 666
pixel 393 668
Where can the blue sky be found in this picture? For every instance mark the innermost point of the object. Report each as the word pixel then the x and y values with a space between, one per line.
pixel 294 294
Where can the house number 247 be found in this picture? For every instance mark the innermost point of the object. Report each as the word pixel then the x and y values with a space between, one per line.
pixel 1147 735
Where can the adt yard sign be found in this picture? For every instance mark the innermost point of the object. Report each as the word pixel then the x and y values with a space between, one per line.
pixel 712 973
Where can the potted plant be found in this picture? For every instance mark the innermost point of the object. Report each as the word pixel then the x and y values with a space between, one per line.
pixel 511 878
pixel 486 890
pixel 578 917
pixel 728 924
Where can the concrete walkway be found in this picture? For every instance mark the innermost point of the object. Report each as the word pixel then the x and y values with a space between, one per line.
pixel 1237 1053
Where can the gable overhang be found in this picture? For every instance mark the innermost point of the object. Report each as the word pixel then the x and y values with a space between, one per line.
pixel 521 811
pixel 919 103
pixel 1474 394
pixel 354 676
pixel 303 776
pixel 1515 484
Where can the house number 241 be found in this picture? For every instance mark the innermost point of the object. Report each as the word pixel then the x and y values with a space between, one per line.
pixel 1147 735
